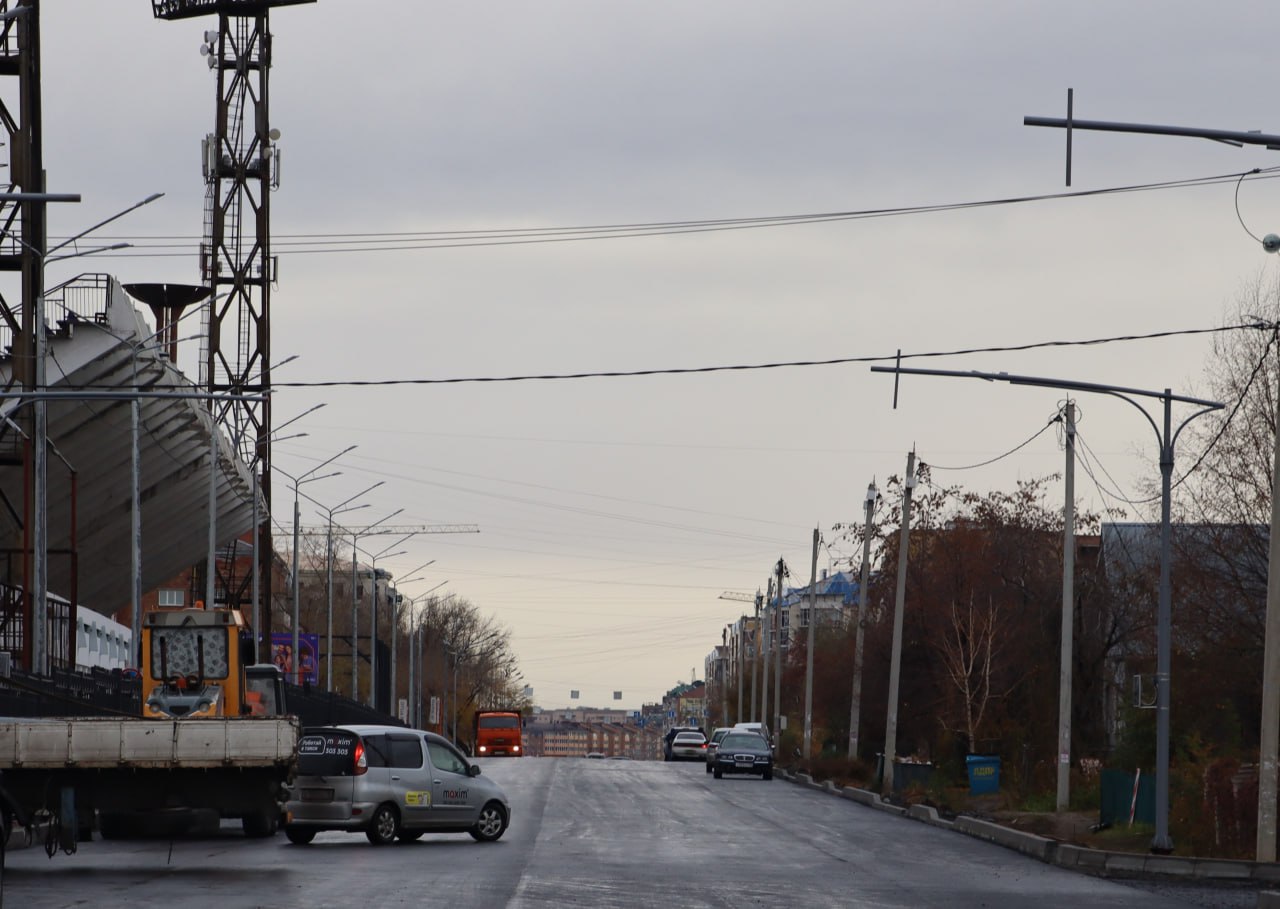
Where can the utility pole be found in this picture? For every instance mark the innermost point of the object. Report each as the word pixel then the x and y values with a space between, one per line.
pixel 1270 740
pixel 1068 611
pixel 767 640
pixel 899 604
pixel 855 702
pixel 755 657
pixel 777 654
pixel 808 662
pixel 723 664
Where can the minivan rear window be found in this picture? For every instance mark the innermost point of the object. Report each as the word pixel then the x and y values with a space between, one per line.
pixel 327 752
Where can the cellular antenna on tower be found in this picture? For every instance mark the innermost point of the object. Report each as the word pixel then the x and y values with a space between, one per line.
pixel 240 171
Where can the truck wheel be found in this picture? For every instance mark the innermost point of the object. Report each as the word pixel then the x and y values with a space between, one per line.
pixel 299 836
pixel 262 823
pixel 112 825
pixel 491 824
pixel 385 826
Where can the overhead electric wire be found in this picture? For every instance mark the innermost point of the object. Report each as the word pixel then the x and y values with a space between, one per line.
pixel 1084 453
pixel 1056 419
pixel 745 367
pixel 415 240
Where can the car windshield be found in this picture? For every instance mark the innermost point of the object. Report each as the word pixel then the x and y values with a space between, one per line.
pixel 742 740
pixel 690 738
pixel 719 734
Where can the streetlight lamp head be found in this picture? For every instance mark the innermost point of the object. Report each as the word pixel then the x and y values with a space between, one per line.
pixel 1271 243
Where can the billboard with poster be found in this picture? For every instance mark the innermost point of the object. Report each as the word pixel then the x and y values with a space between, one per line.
pixel 307 668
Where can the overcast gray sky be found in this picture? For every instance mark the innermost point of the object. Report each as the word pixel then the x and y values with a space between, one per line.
pixel 615 511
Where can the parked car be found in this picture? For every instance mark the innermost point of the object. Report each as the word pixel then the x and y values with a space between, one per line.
pixel 743 752
pixel 671 734
pixel 390 783
pixel 689 746
pixel 714 742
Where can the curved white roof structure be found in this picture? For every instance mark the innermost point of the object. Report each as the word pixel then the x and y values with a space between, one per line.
pixel 97 340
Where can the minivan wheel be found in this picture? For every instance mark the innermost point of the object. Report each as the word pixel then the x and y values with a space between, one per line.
pixel 299 836
pixel 491 824
pixel 384 827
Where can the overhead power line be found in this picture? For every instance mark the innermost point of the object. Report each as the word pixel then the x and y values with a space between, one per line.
pixel 744 367
pixel 401 241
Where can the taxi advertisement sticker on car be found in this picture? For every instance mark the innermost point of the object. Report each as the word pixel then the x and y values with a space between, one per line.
pixel 453 797
pixel 417 799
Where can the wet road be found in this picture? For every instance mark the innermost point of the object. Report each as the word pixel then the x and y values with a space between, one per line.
pixel 600 834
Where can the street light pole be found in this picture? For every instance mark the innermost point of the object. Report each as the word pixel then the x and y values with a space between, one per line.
pixel 1167 438
pixel 395 630
pixel 308 477
pixel 329 514
pixel 355 581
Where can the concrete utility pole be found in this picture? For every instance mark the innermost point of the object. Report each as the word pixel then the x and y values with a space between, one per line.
pixel 808 662
pixel 899 604
pixel 1068 610
pixel 855 702
pixel 776 630
pixel 767 642
pixel 1270 740
pixel 723 663
pixel 755 657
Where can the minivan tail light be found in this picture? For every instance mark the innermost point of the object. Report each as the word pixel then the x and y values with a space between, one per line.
pixel 360 765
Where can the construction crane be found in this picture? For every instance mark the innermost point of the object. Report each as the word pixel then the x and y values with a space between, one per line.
pixel 735 595
pixel 241 164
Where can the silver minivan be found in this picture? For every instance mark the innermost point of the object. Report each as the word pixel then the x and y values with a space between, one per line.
pixel 391 783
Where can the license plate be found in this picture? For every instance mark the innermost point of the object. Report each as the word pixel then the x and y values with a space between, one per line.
pixel 743 765
pixel 317 795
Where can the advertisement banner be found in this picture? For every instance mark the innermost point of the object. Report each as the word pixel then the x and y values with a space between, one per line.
pixel 306 669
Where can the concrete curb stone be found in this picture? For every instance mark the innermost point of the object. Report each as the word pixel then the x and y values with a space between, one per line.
pixel 1078 858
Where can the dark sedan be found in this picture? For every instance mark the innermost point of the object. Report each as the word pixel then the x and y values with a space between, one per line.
pixel 743 752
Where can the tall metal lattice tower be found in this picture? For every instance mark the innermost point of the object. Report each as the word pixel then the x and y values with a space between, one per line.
pixel 22 227
pixel 236 261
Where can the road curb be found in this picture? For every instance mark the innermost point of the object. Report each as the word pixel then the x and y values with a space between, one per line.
pixel 1064 855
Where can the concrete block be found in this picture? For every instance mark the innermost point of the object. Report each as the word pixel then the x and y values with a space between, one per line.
pixel 861 796
pixel 1126 863
pixel 1026 843
pixel 923 813
pixel 1170 866
pixel 1221 869
pixel 1080 858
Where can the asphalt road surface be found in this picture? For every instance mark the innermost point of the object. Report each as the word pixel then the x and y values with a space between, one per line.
pixel 595 833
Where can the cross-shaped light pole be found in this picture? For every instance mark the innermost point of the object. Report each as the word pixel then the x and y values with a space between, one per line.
pixel 1167 436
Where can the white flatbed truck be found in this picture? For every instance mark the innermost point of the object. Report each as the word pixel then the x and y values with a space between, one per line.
pixel 72 767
